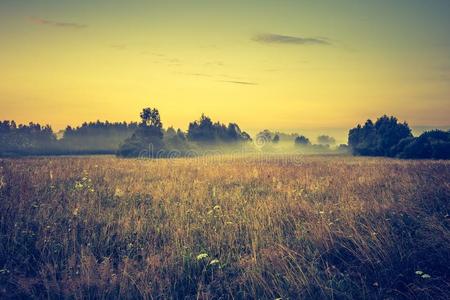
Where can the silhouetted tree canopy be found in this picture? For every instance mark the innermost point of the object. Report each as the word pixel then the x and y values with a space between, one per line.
pixel 205 131
pixel 430 144
pixel 150 118
pixel 302 141
pixel 147 140
pixel 96 137
pixel 175 139
pixel 25 139
pixel 385 137
pixel 379 138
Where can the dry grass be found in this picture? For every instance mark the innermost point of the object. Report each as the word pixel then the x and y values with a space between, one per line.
pixel 323 227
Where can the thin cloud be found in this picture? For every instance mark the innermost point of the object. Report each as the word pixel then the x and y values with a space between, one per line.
pixel 240 82
pixel 217 78
pixel 270 38
pixel 39 21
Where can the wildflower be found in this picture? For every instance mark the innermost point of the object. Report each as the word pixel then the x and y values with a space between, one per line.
pixel 202 256
pixel 419 272
pixel 118 192
pixel 426 276
pixel 214 262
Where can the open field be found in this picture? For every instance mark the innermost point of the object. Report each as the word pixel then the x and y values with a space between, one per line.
pixel 292 227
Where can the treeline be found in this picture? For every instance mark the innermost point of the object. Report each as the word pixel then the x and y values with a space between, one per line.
pixel 147 138
pixel 278 141
pixel 31 139
pixel 144 138
pixel 151 140
pixel 89 138
pixel 388 137
pixel 96 137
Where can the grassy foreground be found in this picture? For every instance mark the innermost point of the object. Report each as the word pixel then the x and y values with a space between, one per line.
pixel 283 227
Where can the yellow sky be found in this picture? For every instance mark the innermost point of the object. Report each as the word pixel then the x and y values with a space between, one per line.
pixel 264 64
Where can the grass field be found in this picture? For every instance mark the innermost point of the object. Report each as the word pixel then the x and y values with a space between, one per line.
pixel 313 227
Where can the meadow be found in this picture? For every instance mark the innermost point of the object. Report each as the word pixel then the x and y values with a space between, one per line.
pixel 290 227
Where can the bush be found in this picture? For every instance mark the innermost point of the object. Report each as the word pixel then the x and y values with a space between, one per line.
pixel 379 138
pixel 302 141
pixel 430 144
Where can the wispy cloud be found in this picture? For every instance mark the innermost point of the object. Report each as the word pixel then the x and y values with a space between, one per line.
pixel 40 21
pixel 219 78
pixel 240 82
pixel 270 38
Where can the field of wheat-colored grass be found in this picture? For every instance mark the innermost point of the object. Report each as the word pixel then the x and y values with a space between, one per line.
pixel 311 227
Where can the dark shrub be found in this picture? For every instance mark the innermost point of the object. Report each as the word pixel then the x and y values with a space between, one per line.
pixel 377 139
pixel 302 141
pixel 430 144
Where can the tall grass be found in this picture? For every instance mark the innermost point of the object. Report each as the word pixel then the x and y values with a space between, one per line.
pixel 323 227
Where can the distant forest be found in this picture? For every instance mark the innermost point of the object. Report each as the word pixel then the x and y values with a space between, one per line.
pixel 147 138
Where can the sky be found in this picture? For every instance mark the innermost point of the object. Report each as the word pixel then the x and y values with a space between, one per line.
pixel 287 65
